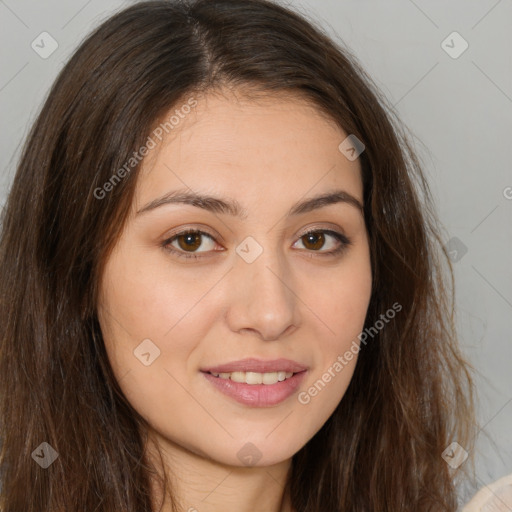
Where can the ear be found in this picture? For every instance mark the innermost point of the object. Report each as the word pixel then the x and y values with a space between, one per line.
pixel 495 497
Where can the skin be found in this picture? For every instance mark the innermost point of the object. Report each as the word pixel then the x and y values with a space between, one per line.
pixel 291 302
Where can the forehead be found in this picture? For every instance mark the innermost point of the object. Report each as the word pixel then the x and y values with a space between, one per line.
pixel 271 146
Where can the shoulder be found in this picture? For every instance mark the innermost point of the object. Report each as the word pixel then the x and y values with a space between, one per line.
pixel 495 497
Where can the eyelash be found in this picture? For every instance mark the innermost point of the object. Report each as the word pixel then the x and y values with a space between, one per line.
pixel 342 239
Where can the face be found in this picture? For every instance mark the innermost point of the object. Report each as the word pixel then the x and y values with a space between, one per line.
pixel 206 305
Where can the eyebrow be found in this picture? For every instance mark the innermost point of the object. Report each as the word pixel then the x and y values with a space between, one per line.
pixel 232 207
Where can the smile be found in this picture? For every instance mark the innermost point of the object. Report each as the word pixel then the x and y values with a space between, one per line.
pixel 255 377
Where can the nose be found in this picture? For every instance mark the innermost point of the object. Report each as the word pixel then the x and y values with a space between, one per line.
pixel 265 302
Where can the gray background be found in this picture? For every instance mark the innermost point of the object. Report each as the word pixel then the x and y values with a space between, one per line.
pixel 459 110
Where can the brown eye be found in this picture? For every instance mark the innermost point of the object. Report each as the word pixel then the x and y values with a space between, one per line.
pixel 314 241
pixel 187 243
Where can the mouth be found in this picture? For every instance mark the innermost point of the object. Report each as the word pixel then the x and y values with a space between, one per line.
pixel 257 383
pixel 253 378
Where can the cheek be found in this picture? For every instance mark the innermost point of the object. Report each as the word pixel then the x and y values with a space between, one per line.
pixel 147 299
pixel 342 301
pixel 340 309
pixel 143 308
pixel 143 300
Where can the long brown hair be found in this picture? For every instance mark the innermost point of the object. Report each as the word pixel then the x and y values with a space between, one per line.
pixel 411 393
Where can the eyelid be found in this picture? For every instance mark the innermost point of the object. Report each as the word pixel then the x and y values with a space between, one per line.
pixel 322 226
pixel 194 228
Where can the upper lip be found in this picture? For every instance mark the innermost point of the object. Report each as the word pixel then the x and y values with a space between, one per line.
pixel 258 366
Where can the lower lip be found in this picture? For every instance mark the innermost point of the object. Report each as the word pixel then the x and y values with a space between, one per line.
pixel 257 395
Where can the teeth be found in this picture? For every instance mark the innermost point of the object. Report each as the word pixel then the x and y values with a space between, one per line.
pixel 254 377
pixel 238 376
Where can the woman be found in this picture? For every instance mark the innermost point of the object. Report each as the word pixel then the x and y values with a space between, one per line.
pixel 222 284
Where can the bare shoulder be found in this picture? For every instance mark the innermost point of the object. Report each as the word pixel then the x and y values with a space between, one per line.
pixel 495 497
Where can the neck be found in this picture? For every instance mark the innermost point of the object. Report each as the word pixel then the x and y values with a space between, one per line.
pixel 204 485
